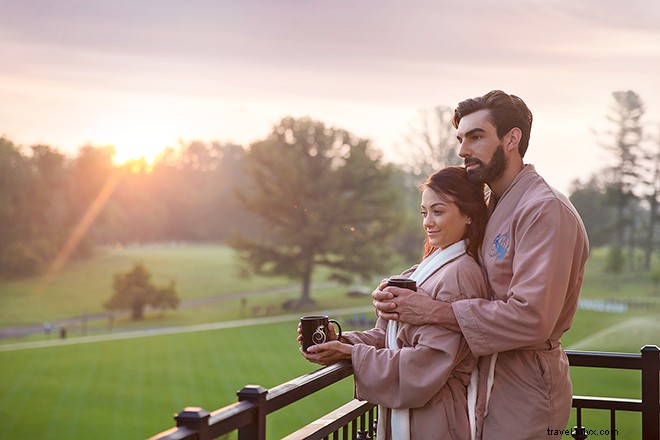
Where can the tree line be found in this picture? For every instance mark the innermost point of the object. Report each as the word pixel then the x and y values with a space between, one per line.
pixel 305 196
pixel 619 203
pixel 47 197
pixel 308 195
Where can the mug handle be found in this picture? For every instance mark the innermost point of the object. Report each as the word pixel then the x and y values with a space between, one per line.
pixel 334 321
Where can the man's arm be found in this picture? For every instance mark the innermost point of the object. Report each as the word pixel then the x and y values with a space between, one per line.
pixel 417 308
pixel 549 252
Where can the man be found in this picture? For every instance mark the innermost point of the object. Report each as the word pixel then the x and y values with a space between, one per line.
pixel 534 253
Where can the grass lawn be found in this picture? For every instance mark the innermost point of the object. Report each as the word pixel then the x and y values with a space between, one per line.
pixel 130 388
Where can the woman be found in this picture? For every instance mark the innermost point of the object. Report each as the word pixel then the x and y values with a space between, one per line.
pixel 419 374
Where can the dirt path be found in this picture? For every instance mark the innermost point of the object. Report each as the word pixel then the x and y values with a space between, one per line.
pixel 170 330
pixel 79 321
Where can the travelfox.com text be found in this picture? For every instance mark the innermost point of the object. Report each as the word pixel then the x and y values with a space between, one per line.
pixel 582 431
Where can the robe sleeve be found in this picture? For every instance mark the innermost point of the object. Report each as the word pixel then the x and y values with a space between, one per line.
pixel 413 375
pixel 545 238
pixel 375 336
pixel 409 377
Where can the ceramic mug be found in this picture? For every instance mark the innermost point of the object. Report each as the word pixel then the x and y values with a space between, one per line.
pixel 315 329
pixel 403 282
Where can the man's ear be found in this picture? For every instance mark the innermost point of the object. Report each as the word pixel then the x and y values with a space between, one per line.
pixel 512 139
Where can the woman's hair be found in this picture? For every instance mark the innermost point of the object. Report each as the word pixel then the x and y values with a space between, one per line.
pixel 506 112
pixel 452 183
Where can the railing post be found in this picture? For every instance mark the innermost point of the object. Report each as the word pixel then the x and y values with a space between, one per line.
pixel 650 392
pixel 194 418
pixel 257 429
pixel 579 432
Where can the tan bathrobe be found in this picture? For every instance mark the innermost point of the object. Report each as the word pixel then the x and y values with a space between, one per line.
pixel 534 253
pixel 430 373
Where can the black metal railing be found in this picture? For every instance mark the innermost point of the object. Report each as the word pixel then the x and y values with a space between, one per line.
pixel 355 420
pixel 648 362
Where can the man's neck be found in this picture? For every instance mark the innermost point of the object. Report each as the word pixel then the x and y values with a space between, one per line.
pixel 499 186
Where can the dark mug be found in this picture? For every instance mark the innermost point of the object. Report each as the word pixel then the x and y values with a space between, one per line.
pixel 403 282
pixel 315 330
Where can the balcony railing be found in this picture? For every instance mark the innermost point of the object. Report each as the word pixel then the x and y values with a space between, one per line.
pixel 355 420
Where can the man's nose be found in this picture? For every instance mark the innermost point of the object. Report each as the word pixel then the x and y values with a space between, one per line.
pixel 463 150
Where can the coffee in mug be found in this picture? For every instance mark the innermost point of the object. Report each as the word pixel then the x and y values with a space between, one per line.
pixel 315 330
pixel 403 282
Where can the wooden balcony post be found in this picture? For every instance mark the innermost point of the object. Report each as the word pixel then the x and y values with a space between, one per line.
pixel 195 418
pixel 650 392
pixel 257 429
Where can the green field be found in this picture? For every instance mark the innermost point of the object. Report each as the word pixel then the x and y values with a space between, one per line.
pixel 200 271
pixel 130 388
pixel 82 287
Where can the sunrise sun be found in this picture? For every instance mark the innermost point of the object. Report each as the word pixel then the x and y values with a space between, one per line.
pixel 139 141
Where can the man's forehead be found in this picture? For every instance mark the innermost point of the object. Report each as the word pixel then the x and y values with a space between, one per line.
pixel 474 121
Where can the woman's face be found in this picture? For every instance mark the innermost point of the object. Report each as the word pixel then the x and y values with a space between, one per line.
pixel 443 222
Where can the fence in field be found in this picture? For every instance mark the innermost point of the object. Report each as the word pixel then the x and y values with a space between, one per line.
pixel 355 420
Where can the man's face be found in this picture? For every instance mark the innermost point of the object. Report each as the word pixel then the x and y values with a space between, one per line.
pixel 481 149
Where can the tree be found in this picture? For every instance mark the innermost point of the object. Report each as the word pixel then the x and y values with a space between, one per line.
pixel 33 208
pixel 593 203
pixel 187 196
pixel 652 193
pixel 431 144
pixel 614 262
pixel 323 198
pixel 627 134
pixel 93 180
pixel 134 291
pixel 17 256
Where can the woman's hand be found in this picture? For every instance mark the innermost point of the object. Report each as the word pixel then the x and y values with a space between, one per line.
pixel 328 353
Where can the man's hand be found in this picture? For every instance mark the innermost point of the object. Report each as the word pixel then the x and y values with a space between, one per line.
pixel 382 302
pixel 417 308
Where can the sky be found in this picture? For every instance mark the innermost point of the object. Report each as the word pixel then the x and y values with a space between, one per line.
pixel 144 75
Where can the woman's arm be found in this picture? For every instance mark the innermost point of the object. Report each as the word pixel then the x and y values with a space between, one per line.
pixel 411 376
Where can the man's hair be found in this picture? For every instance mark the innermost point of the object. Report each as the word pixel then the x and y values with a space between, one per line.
pixel 506 112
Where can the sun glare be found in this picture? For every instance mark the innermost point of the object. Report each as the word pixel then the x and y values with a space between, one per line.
pixel 139 143
pixel 139 146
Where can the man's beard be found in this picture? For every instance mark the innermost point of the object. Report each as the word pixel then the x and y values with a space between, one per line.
pixel 493 170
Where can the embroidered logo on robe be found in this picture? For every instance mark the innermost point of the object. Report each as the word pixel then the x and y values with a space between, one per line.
pixel 500 246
